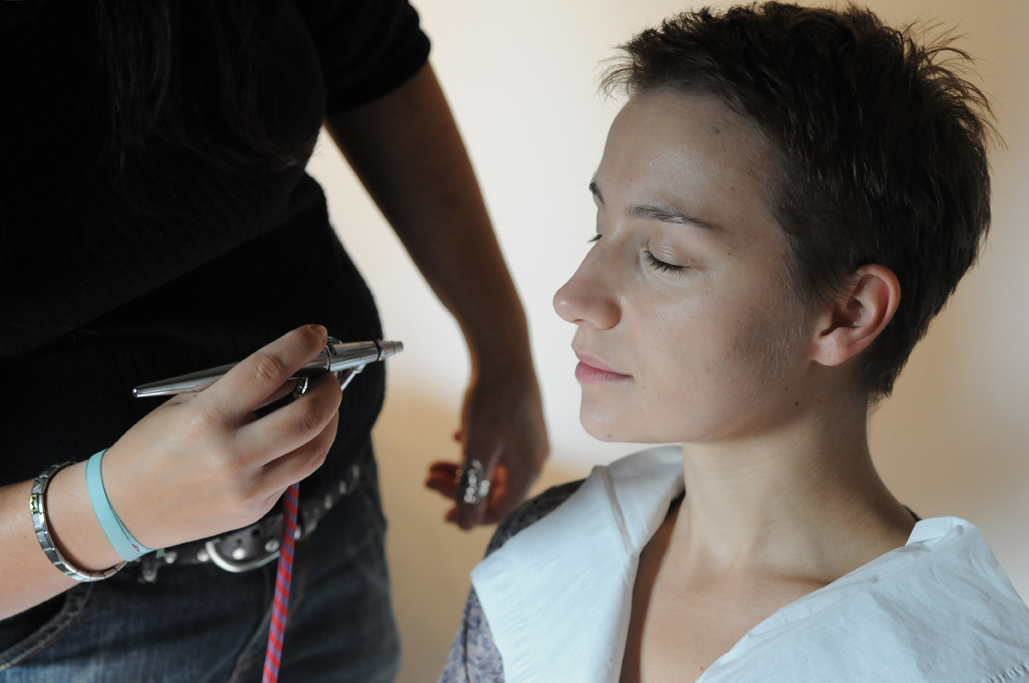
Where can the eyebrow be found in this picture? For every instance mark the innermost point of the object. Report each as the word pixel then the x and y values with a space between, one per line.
pixel 665 214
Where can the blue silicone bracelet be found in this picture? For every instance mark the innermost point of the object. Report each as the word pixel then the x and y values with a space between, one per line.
pixel 124 544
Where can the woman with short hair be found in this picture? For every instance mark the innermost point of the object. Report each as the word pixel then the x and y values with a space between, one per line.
pixel 786 201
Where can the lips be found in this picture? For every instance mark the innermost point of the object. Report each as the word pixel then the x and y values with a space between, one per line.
pixel 592 370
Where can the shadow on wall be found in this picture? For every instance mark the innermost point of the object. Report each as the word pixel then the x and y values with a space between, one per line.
pixel 429 559
pixel 952 441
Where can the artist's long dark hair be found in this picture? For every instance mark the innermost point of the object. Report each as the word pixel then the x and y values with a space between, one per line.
pixel 190 74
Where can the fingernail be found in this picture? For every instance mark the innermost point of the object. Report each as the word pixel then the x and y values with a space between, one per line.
pixel 320 331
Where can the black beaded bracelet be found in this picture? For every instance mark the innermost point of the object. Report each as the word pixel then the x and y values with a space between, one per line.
pixel 37 504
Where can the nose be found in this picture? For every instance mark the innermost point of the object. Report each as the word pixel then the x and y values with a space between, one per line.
pixel 588 298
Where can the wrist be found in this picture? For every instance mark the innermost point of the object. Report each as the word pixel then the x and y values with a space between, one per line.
pixel 125 544
pixel 73 525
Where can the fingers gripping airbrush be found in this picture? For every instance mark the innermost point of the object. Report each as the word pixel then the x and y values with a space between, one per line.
pixel 344 359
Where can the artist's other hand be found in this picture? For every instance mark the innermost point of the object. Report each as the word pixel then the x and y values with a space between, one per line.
pixel 501 427
pixel 203 464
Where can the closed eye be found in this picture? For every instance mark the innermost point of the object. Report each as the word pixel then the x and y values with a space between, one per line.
pixel 662 266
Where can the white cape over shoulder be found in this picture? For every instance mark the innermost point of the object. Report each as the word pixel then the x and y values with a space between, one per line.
pixel 557 597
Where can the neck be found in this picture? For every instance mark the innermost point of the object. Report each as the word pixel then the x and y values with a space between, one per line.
pixel 802 499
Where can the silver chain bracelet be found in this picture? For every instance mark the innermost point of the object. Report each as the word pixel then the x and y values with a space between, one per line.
pixel 37 504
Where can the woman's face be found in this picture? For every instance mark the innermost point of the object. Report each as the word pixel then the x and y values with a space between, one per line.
pixel 687 330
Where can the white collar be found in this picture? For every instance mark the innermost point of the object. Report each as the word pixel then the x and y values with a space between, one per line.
pixel 557 596
pixel 554 595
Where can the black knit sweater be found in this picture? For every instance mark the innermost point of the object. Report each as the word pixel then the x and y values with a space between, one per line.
pixel 99 294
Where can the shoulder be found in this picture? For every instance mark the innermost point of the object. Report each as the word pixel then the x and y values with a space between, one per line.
pixel 937 610
pixel 530 512
pixel 473 656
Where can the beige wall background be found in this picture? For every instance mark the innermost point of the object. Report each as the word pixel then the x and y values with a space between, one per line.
pixel 521 78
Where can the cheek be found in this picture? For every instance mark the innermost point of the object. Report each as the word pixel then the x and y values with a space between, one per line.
pixel 761 356
pixel 684 338
pixel 704 363
pixel 683 351
pixel 754 358
pixel 718 361
pixel 658 339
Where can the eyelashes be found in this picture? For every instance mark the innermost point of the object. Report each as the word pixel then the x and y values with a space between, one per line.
pixel 652 261
pixel 662 266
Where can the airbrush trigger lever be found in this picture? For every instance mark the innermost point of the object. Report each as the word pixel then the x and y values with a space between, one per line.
pixel 344 376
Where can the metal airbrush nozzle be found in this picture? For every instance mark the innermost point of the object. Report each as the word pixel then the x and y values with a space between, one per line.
pixel 390 348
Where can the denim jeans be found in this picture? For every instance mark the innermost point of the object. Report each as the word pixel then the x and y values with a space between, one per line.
pixel 199 624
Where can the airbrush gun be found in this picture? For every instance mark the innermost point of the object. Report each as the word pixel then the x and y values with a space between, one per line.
pixel 344 359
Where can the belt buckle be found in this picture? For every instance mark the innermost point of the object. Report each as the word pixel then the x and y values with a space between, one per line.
pixel 230 551
pixel 236 566
pixel 234 552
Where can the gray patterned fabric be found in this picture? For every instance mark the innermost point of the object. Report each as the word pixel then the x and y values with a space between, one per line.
pixel 474 657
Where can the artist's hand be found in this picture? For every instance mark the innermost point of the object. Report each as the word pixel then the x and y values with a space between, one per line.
pixel 502 427
pixel 203 464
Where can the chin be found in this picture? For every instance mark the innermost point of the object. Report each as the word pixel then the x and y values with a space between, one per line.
pixel 601 435
pixel 601 424
pixel 614 427
pixel 625 423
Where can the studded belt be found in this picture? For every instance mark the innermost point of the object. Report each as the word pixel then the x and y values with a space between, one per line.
pixel 255 545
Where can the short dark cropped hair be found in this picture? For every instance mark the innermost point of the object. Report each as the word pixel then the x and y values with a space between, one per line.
pixel 880 141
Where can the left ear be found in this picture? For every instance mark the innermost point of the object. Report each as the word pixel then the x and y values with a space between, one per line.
pixel 859 313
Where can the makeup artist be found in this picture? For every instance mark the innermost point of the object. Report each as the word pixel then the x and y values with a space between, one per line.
pixel 156 219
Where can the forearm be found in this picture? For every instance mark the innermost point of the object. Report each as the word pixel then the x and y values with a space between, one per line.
pixel 408 153
pixel 28 577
